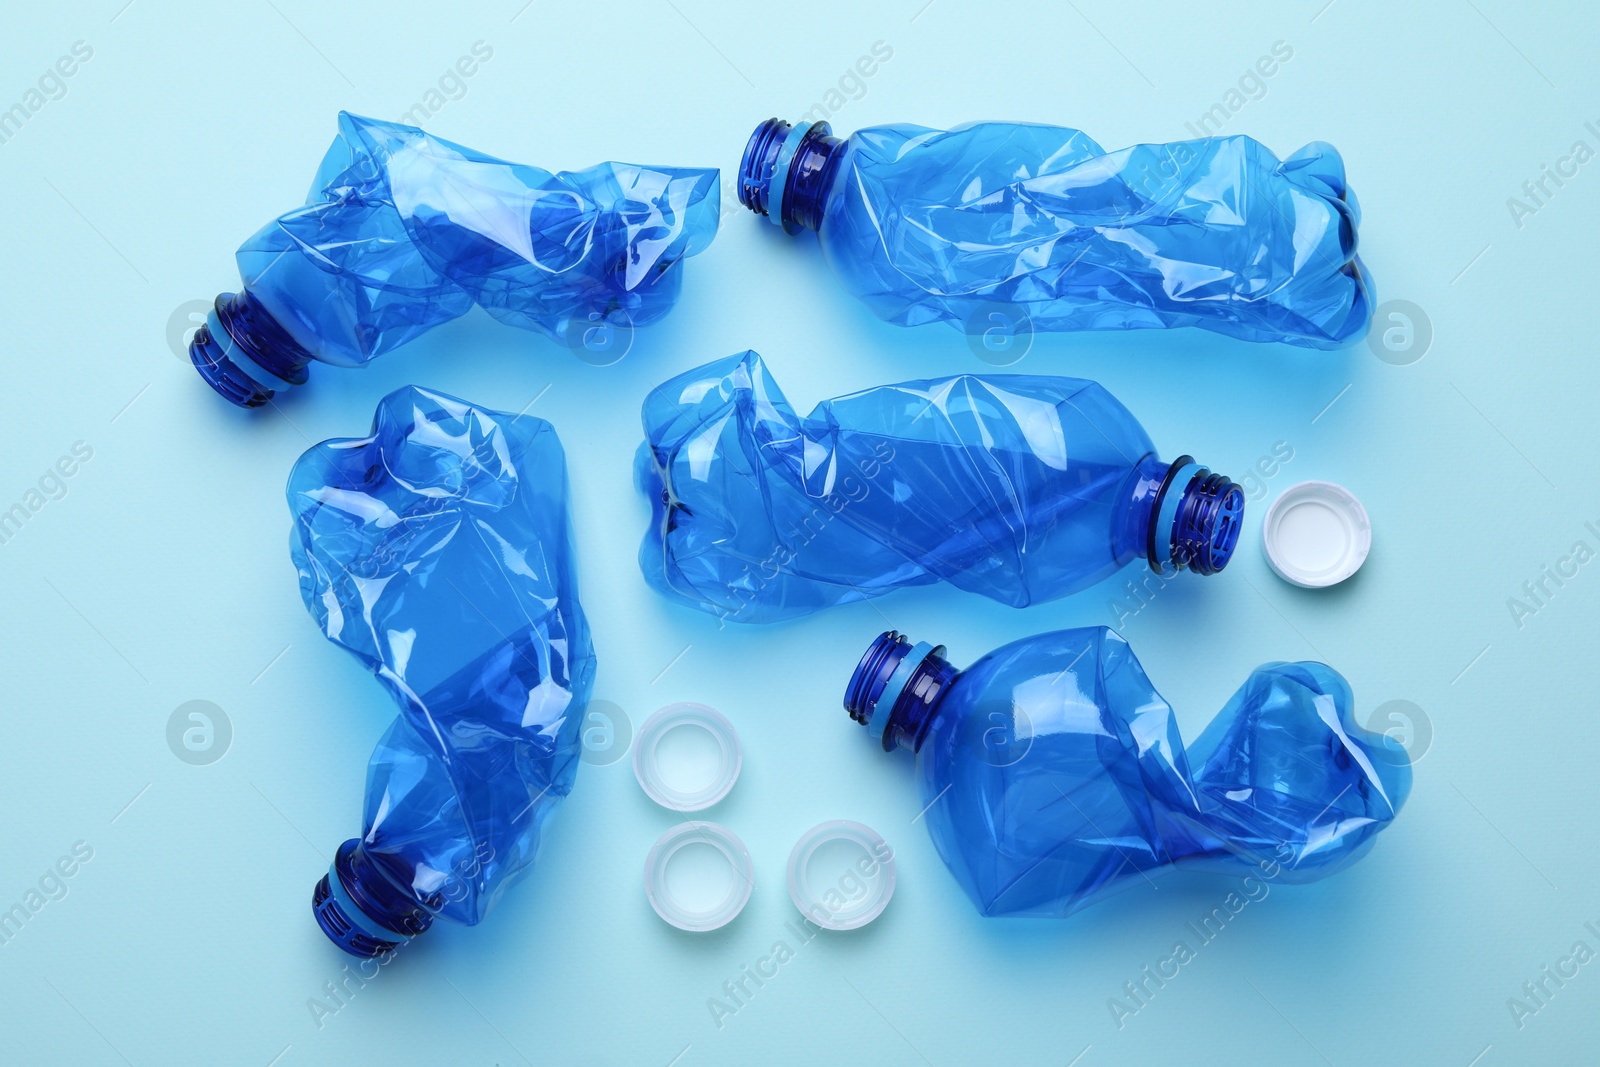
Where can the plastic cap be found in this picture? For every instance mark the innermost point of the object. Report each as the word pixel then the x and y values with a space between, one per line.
pixel 1316 534
pixel 688 914
pixel 647 759
pixel 841 888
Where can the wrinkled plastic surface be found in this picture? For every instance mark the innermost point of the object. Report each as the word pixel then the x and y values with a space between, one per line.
pixel 437 552
pixel 1060 776
pixel 928 225
pixel 1013 486
pixel 403 231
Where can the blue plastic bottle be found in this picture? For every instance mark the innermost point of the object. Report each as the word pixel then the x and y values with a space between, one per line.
pixel 403 231
pixel 1038 227
pixel 1020 487
pixel 437 552
pixel 1052 773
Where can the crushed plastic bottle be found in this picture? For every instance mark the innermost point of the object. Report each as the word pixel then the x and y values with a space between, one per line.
pixel 1052 774
pixel 1020 487
pixel 437 552
pixel 403 231
pixel 1037 227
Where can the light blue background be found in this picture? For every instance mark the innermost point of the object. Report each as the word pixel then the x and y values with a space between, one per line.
pixel 163 575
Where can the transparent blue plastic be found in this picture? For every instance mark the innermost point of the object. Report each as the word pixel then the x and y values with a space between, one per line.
pixel 403 231
pixel 1020 487
pixel 1052 773
pixel 928 225
pixel 437 552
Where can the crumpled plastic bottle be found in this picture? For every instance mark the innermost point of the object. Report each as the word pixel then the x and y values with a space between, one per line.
pixel 403 231
pixel 437 552
pixel 1020 487
pixel 1052 774
pixel 1032 227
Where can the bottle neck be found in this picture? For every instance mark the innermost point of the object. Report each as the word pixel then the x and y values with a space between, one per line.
pixel 363 909
pixel 787 171
pixel 896 689
pixel 1181 516
pixel 245 354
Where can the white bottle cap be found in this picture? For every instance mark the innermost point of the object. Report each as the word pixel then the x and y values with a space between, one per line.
pixel 1316 534
pixel 647 763
pixel 842 888
pixel 688 914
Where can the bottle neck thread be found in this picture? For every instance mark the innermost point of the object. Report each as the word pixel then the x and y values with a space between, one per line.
pixel 362 909
pixel 245 354
pixel 786 172
pixel 1194 518
pixel 896 689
